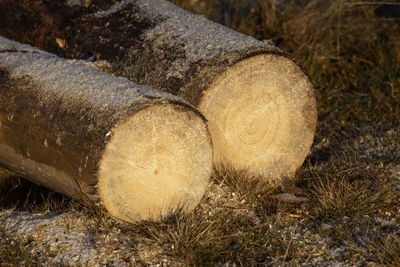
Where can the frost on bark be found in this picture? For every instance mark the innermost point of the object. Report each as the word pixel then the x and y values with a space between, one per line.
pixel 258 101
pixel 142 153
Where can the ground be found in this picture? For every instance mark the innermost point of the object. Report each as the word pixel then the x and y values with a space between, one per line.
pixel 344 207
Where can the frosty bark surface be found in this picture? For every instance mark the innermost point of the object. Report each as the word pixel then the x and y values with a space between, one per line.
pixel 142 153
pixel 263 114
pixel 259 102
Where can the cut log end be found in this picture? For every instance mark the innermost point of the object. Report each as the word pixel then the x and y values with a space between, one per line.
pixel 157 162
pixel 262 115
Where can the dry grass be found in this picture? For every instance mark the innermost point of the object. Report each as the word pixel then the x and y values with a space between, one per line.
pixel 20 194
pixel 222 229
pixel 387 249
pixel 384 248
pixel 374 243
pixel 248 186
pixel 339 195
pixel 13 251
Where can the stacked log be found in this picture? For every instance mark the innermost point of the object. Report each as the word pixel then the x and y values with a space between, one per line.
pixel 143 154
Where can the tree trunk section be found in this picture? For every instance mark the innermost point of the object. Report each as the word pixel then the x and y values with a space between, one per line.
pixel 258 101
pixel 142 153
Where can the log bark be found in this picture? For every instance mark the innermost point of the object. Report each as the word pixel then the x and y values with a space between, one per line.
pixel 4 176
pixel 259 102
pixel 142 153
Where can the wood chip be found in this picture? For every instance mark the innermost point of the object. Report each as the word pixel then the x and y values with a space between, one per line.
pixel 61 43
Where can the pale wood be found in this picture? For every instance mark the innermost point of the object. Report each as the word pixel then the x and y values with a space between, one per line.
pixel 141 153
pixel 260 116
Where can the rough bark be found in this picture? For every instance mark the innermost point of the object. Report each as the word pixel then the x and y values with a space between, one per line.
pixel 259 102
pixel 79 131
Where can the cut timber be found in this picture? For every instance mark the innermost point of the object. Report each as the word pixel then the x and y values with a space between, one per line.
pixel 142 153
pixel 259 102
pixel 256 115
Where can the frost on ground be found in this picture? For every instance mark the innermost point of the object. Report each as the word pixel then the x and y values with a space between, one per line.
pixel 238 222
pixel 61 238
pixel 74 237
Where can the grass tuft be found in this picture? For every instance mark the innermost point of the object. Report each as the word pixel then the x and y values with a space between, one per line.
pixel 387 250
pixel 244 183
pixel 375 243
pixel 336 197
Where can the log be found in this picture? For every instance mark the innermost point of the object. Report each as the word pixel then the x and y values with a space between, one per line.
pixel 142 153
pixel 259 102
